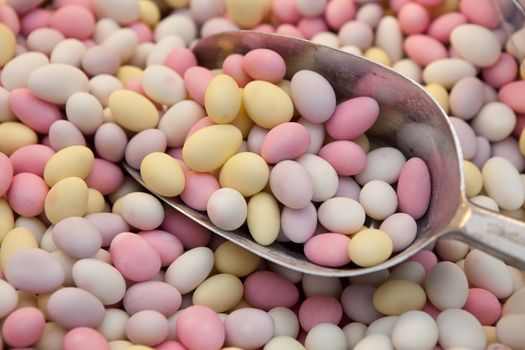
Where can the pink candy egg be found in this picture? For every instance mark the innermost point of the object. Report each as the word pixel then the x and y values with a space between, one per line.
pixel 27 194
pixel 30 159
pixel 291 184
pixel 319 309
pixel 105 176
pixel 480 12
pixel 9 18
pixel 6 173
pixel 338 12
pixel 89 311
pixel 37 18
pixel 142 31
pixel 264 64
pixel 328 249
pixel 84 338
pixel 199 327
pixel 352 118
pixel 180 59
pixel 152 295
pixel 424 49
pixel 285 141
pixel 32 111
pixel 502 72
pixel 512 95
pixel 196 80
pixel 483 305
pixel 346 157
pixel 190 233
pixel 413 188
pixel 285 11
pixel 73 21
pixel 167 245
pixel 413 18
pixel 426 258
pixel 134 257
pixel 34 270
pixel 233 66
pixel 170 345
pixel 309 26
pixel 23 327
pixel 198 188
pixel 442 26
pixel 266 290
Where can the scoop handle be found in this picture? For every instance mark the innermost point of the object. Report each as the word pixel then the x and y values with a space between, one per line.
pixel 495 233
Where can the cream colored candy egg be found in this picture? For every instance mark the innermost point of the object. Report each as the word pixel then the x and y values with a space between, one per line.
pixel 267 104
pixel 398 296
pixel 246 172
pixel 44 84
pixel 227 209
pixel 220 292
pixel 7 43
pixel 502 183
pixel 370 247
pixel 210 147
pixel 415 330
pixel 222 99
pixel 163 85
pixel 264 218
pixel 189 270
pixel 71 161
pixel 68 197
pixel 162 174
pixel 132 110
pixel 476 44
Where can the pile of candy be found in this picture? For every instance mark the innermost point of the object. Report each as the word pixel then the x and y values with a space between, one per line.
pixel 89 260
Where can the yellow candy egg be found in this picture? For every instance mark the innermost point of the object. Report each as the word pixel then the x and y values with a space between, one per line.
pixel 473 179
pixel 248 14
pixel 177 3
pixel 235 260
pixel 440 94
pixel 264 218
pixel 398 296
pixel 15 240
pixel 68 197
pixel 96 202
pixel 162 174
pixel 246 172
pixel 243 122
pixel 220 292
pixel 127 73
pixel 370 247
pixel 7 218
pixel 7 43
pixel 14 135
pixel 70 161
pixel 522 69
pixel 378 55
pixel 132 110
pixel 149 12
pixel 522 142
pixel 222 99
pixel 267 104
pixel 210 147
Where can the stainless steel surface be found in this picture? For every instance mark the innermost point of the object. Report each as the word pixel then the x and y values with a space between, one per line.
pixel 410 120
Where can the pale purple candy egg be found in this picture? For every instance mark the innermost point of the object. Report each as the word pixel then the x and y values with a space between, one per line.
pixel 285 141
pixel 147 327
pixel 413 188
pixel 328 249
pixel 108 225
pixel 352 118
pixel 134 257
pixel 356 300
pixel 34 270
pixel 298 225
pixel 63 133
pixel 264 64
pixel 144 143
pixel 467 137
pixel 248 328
pixel 110 142
pixel 509 149
pixel 319 309
pixel 401 228
pixel 313 96
pixel 152 295
pixel 348 187
pixel 266 290
pixel 255 138
pixel 317 135
pixel 77 237
pixel 142 210
pixel 198 188
pixel 291 184
pixel 346 157
pixel 483 152
pixel 74 307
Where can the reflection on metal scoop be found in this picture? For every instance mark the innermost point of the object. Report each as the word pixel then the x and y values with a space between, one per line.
pixel 410 120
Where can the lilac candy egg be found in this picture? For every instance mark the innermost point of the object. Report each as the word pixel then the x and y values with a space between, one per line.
pixel 77 237
pixel 108 225
pixel 144 143
pixel 352 118
pixel 248 328
pixel 313 96
pixel 285 141
pixel 75 307
pixel 291 184
pixel 298 225
pixel 34 270
pixel 152 295
pixel 266 290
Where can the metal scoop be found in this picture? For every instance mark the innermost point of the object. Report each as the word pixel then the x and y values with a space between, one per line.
pixel 410 120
